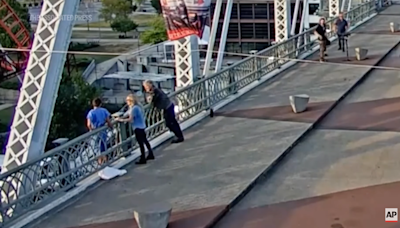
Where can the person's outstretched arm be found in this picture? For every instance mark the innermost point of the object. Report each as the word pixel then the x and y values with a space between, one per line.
pixel 128 119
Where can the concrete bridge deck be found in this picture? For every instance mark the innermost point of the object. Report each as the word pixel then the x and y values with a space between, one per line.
pixel 355 146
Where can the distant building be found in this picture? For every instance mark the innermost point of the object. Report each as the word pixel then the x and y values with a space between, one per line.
pixel 252 23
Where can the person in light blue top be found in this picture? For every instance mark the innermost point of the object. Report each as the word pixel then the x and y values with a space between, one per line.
pixel 96 118
pixel 137 119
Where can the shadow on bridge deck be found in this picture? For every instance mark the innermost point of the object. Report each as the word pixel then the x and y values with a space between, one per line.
pixel 223 155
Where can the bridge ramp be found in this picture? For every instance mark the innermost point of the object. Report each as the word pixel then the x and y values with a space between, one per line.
pixel 345 173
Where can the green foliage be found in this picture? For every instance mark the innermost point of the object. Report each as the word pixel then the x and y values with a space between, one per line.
pixel 120 8
pixel 23 14
pixel 3 128
pixel 157 33
pixel 123 24
pixel 6 116
pixel 14 85
pixel 82 46
pixel 156 5
pixel 72 105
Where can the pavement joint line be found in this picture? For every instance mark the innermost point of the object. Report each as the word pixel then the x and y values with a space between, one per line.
pixel 64 201
pixel 268 171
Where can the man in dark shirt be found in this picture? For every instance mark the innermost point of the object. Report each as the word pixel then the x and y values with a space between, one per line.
pixel 341 29
pixel 161 101
pixel 320 32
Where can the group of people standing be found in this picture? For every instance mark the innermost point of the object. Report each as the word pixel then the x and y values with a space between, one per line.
pixel 341 26
pixel 99 117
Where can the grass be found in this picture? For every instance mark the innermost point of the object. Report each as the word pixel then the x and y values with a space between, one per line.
pixel 96 24
pixel 142 20
pixel 116 48
pixel 99 34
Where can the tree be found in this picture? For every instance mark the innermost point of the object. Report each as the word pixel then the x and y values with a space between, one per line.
pixel 72 105
pixel 123 25
pixel 156 5
pixel 120 8
pixel 157 33
pixel 23 15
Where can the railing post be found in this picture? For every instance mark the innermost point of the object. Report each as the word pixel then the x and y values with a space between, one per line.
pixel 231 81
pixel 123 134
pixel 63 160
pixel 256 64
pixel 258 59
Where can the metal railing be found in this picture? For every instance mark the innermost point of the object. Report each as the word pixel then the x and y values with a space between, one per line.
pixel 43 180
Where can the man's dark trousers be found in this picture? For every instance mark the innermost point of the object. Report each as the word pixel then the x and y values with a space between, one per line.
pixel 341 41
pixel 170 121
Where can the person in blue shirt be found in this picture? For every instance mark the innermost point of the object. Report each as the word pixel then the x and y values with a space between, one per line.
pixel 96 118
pixel 138 121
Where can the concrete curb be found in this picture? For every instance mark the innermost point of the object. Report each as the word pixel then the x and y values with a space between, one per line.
pixel 75 194
pixel 275 164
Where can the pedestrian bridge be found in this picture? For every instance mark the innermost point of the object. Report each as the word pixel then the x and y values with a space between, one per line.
pixel 223 157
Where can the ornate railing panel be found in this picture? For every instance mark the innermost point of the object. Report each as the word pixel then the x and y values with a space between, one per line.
pixel 42 180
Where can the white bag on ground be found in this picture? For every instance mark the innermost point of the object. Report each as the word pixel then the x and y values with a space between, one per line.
pixel 109 173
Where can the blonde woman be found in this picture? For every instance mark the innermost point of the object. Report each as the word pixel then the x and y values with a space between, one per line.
pixel 137 119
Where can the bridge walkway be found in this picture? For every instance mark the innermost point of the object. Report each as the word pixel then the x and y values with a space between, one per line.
pixel 223 155
pixel 345 173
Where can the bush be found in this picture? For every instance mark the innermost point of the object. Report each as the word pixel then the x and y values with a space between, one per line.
pixel 157 33
pixel 123 25
pixel 156 5
pixel 3 128
pixel 82 46
pixel 13 85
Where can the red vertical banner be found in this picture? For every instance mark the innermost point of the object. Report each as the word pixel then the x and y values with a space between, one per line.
pixel 185 17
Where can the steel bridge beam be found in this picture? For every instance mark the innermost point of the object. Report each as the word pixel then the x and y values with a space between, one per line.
pixel 187 61
pixel 334 8
pixel 39 89
pixel 282 20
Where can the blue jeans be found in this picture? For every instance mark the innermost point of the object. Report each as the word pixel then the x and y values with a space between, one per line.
pixel 102 141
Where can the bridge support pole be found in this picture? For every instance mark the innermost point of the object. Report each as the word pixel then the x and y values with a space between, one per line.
pixel 282 20
pixel 187 65
pixel 334 8
pixel 39 89
pixel 187 61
